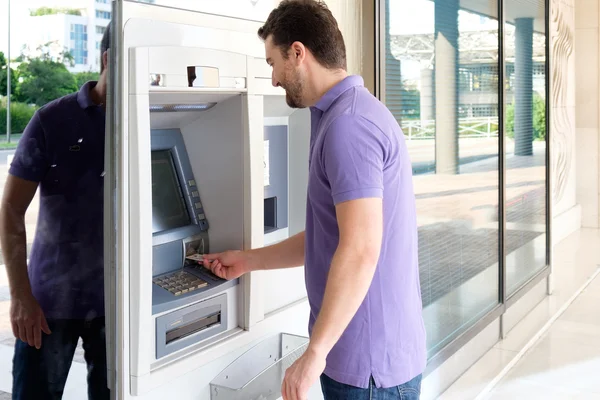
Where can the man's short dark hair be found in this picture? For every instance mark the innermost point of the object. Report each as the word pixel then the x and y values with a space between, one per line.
pixel 311 23
pixel 104 44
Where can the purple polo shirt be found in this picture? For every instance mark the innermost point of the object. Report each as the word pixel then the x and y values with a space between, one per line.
pixel 357 150
pixel 62 148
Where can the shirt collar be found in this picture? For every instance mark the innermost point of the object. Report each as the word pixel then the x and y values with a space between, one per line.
pixel 331 96
pixel 84 99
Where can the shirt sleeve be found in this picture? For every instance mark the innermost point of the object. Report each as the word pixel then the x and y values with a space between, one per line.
pixel 354 152
pixel 30 161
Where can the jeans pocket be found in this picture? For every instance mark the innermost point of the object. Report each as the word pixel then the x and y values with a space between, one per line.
pixel 410 390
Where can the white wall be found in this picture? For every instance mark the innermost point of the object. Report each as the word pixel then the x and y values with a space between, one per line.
pixel 566 211
pixel 588 105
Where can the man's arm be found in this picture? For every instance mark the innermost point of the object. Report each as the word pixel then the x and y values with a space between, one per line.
pixel 233 264
pixel 352 268
pixel 288 253
pixel 29 166
pixel 27 318
pixel 18 194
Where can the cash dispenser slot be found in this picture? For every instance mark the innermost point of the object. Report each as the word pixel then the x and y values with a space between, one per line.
pixel 193 327
pixel 189 325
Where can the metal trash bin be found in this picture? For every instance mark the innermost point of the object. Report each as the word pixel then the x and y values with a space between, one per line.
pixel 258 373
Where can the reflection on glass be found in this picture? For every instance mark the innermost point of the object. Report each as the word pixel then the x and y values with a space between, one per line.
pixel 525 140
pixel 441 83
pixel 54 50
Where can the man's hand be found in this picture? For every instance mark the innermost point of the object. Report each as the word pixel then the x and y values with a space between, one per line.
pixel 302 375
pixel 231 264
pixel 28 320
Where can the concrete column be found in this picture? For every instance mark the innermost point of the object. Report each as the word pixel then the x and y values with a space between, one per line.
pixel 524 87
pixel 446 86
pixel 393 76
pixel 426 93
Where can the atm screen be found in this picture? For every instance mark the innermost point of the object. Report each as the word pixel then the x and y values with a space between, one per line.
pixel 168 206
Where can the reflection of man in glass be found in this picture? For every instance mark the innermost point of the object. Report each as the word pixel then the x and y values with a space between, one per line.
pixel 60 297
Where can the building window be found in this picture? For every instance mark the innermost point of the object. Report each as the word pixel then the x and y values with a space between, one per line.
pixel 100 29
pixel 79 43
pixel 102 14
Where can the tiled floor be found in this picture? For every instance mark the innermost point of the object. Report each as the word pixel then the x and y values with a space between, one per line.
pixel 564 362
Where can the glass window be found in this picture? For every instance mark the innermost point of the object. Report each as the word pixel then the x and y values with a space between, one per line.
pixel 441 84
pixel 102 14
pixel 525 136
pixel 79 43
pixel 41 70
pixel 441 80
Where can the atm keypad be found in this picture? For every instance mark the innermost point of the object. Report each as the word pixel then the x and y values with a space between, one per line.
pixel 180 282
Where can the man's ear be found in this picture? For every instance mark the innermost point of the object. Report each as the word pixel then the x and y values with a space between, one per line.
pixel 105 59
pixel 298 52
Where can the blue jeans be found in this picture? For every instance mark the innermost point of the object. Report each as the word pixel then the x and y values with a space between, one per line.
pixel 42 374
pixel 333 390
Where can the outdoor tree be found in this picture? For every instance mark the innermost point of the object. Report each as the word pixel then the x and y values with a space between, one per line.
pixel 538 118
pixel 83 77
pixel 3 73
pixel 42 76
pixel 45 77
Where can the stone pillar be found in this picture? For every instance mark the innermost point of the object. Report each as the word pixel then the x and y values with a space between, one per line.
pixel 393 75
pixel 524 87
pixel 446 86
pixel 426 95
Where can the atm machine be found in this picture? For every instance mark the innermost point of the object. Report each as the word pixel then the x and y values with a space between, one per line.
pixel 202 155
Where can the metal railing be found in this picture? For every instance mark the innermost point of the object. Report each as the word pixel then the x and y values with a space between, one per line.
pixel 485 127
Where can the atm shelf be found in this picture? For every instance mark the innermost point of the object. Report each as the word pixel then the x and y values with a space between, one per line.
pixel 258 373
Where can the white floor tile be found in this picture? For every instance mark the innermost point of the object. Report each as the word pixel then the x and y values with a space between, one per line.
pixel 476 378
pixel 565 362
pixel 586 309
pixel 560 363
pixel 527 390
pixel 6 355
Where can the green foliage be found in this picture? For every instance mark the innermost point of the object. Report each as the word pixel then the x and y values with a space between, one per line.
pixel 44 78
pixel 36 81
pixel 83 77
pixel 38 12
pixel 44 81
pixel 539 118
pixel 3 73
pixel 20 114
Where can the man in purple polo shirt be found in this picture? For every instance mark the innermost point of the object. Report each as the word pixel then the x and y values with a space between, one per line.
pixel 359 249
pixel 60 297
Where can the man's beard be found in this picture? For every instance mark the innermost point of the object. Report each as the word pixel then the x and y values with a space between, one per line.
pixel 292 102
pixel 292 95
